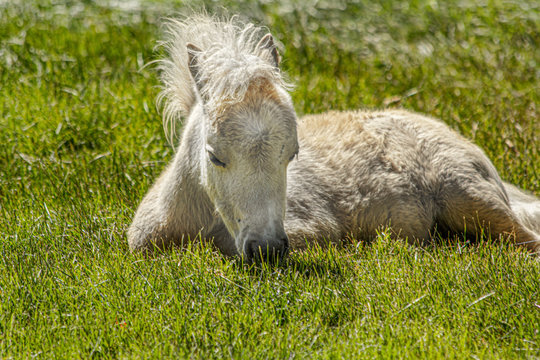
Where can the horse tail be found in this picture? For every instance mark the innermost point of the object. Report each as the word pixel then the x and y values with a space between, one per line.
pixel 526 207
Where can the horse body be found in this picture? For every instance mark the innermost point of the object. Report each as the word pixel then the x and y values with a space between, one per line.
pixel 399 169
pixel 236 176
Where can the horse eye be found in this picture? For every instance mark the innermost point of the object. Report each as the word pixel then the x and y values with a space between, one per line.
pixel 293 156
pixel 215 160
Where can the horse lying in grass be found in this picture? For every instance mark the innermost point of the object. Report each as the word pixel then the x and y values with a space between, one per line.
pixel 257 181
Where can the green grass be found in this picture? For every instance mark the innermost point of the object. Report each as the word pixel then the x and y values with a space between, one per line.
pixel 81 142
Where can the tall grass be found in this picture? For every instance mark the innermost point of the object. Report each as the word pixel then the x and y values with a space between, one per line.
pixel 81 142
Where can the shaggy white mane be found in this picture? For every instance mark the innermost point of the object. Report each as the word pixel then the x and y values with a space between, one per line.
pixel 228 62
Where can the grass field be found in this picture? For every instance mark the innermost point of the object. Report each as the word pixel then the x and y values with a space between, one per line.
pixel 81 141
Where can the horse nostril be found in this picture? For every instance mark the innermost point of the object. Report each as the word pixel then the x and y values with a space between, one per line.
pixel 285 249
pixel 253 249
pixel 258 251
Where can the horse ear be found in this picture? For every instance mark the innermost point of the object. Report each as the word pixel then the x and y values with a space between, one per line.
pixel 267 50
pixel 193 63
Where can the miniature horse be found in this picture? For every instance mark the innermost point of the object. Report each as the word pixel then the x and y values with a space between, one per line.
pixel 257 181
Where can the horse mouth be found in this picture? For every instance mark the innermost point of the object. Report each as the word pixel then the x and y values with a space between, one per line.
pixel 259 252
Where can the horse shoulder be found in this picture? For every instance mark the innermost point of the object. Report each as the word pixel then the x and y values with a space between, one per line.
pixel 174 211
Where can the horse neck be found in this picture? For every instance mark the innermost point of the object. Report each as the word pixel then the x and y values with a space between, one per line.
pixel 191 202
pixel 188 153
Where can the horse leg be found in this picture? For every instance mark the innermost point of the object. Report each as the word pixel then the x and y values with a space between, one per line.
pixel 173 213
pixel 411 220
pixel 481 203
pixel 149 227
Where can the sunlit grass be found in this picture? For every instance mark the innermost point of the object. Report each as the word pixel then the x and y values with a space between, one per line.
pixel 81 142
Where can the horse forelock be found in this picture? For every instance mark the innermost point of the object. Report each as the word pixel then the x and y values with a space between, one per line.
pixel 229 63
pixel 259 90
pixel 229 77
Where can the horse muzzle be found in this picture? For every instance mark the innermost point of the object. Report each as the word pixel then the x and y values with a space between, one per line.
pixel 269 251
